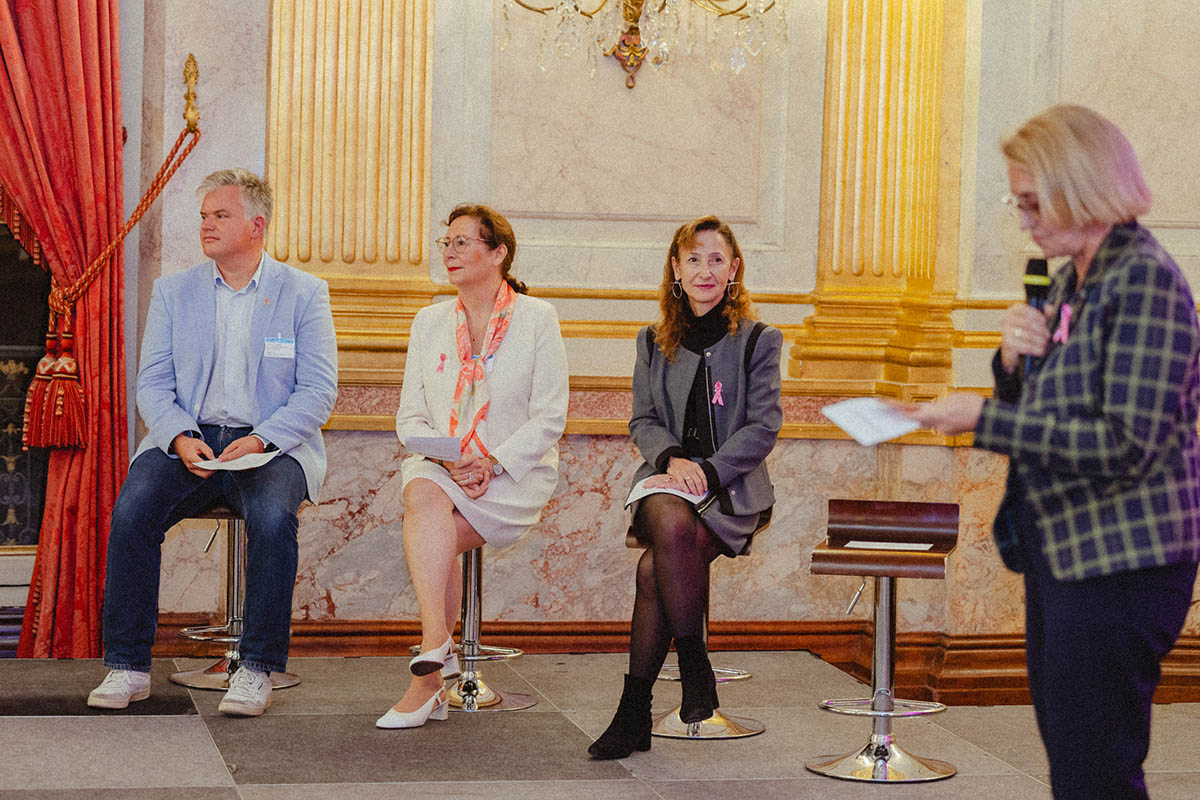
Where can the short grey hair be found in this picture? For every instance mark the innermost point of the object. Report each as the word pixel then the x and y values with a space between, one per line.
pixel 257 198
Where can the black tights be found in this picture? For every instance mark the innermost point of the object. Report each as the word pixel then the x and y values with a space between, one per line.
pixel 672 580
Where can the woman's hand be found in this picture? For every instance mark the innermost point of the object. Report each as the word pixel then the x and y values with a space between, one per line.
pixel 662 481
pixel 955 413
pixel 472 473
pixel 1023 332
pixel 687 475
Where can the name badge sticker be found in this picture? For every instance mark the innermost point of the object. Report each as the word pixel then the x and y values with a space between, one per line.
pixel 279 347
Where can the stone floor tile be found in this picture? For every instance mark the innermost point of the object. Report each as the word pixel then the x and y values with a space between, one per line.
pixel 351 686
pixel 109 753
pixel 53 687
pixel 959 787
pixel 622 789
pixel 329 748
pixel 792 737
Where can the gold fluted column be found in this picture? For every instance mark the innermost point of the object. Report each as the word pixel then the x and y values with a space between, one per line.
pixel 887 253
pixel 348 153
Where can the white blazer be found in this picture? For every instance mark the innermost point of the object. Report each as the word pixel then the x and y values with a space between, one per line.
pixel 529 391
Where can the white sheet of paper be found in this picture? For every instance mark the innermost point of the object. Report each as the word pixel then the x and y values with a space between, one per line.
pixel 248 461
pixel 639 491
pixel 869 420
pixel 447 448
pixel 857 545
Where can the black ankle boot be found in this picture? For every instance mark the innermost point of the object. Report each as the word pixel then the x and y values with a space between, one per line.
pixel 699 683
pixel 630 726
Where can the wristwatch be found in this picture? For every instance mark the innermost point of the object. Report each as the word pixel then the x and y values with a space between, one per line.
pixel 497 468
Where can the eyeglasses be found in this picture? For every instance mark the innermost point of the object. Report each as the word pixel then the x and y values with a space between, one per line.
pixel 458 243
pixel 1022 205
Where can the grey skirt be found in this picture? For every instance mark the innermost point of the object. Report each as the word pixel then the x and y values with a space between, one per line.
pixel 733 532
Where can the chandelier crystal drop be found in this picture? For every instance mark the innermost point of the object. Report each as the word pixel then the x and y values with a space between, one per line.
pixel 729 33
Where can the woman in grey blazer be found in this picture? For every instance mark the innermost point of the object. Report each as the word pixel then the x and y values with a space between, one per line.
pixel 706 413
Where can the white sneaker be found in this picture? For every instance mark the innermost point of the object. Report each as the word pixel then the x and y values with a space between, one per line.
pixel 249 693
pixel 119 688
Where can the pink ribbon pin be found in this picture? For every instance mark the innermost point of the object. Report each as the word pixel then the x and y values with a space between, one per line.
pixel 717 401
pixel 442 365
pixel 1064 325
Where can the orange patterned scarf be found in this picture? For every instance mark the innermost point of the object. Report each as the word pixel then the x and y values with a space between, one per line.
pixel 471 395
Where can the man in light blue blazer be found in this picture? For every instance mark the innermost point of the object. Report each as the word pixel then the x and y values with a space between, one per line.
pixel 238 358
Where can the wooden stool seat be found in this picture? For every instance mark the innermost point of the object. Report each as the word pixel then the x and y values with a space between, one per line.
pixel 886 541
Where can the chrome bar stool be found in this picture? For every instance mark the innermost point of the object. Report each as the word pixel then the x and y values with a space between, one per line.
pixel 217 674
pixel 471 692
pixel 884 540
pixel 719 725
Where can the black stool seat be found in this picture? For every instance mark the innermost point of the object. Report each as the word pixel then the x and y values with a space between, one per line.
pixel 216 675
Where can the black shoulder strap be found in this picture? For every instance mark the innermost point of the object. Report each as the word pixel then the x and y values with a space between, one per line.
pixel 751 341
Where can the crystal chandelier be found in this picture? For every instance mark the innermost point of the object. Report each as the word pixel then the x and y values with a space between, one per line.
pixel 635 31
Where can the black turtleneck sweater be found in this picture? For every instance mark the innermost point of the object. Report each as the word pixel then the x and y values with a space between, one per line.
pixel 699 333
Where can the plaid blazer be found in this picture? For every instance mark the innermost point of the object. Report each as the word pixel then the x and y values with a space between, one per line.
pixel 1101 434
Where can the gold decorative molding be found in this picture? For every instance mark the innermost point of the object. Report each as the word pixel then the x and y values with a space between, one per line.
pixel 887 251
pixel 592 426
pixel 348 132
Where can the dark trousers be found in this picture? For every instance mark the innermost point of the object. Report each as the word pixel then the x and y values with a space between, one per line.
pixel 1094 649
pixel 160 492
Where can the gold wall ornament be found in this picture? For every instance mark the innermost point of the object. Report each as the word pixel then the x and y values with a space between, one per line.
pixel 191 74
pixel 349 116
pixel 887 256
pixel 634 31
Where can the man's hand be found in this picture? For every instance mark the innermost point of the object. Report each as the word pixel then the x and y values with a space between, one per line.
pixel 240 447
pixel 190 451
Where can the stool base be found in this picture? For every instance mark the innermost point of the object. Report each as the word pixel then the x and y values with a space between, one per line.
pixel 881 762
pixel 718 726
pixel 485 698
pixel 216 677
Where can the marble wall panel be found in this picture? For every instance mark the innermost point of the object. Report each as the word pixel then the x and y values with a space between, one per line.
pixel 574 565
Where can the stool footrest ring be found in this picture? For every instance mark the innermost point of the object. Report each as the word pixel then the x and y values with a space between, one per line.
pixel 670 672
pixel 861 707
pixel 209 633
pixel 486 652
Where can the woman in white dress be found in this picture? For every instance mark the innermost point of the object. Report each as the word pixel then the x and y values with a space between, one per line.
pixel 490 369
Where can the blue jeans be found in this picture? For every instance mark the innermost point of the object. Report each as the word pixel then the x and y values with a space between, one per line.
pixel 160 492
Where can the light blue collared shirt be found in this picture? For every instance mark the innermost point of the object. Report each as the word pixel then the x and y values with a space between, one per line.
pixel 227 400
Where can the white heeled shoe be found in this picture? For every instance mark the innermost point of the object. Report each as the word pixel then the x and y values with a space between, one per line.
pixel 436 707
pixel 434 660
pixel 450 669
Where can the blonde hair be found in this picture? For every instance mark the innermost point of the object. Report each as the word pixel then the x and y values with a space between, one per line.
pixel 1084 167
pixel 257 198
pixel 668 332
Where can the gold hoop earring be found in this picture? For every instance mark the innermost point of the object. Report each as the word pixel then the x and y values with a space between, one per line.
pixel 677 289
pixel 732 289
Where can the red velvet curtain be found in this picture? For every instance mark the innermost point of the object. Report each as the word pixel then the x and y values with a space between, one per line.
pixel 60 164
